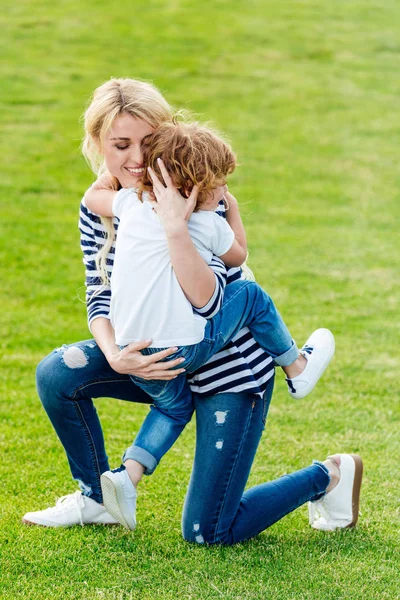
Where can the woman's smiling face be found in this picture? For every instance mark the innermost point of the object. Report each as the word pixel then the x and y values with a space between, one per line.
pixel 122 149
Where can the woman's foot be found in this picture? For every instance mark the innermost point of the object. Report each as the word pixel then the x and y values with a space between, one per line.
pixel 339 507
pixel 333 465
pixel 316 355
pixel 73 509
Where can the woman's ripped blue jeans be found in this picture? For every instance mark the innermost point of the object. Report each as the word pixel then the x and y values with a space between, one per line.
pixel 229 428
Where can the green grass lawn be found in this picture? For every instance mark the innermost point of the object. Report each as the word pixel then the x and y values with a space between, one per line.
pixel 308 92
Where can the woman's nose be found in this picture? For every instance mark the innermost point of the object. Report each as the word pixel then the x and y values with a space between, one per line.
pixel 136 155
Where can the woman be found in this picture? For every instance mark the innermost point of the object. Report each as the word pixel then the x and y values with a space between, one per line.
pixel 231 393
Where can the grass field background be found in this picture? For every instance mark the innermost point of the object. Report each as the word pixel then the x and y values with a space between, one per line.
pixel 308 92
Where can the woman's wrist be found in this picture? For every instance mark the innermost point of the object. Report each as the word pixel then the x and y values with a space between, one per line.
pixel 175 228
pixel 111 354
pixel 103 333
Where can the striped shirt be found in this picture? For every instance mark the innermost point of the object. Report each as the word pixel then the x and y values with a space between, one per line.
pixel 241 366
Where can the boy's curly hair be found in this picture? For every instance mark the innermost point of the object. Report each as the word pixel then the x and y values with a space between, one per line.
pixel 193 155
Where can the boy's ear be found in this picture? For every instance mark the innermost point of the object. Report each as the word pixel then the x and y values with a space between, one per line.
pixel 187 189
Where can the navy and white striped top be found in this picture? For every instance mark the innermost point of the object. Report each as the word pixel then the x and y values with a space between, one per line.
pixel 241 366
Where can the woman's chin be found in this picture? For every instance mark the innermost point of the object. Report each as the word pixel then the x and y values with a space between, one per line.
pixel 130 181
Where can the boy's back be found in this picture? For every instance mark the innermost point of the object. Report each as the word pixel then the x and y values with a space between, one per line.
pixel 147 300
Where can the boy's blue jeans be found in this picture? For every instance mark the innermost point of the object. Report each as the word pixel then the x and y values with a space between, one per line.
pixel 245 304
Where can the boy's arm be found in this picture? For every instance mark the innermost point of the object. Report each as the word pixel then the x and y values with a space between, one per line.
pixel 100 200
pixel 237 254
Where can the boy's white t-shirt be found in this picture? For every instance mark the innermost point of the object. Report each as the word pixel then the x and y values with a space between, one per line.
pixel 147 301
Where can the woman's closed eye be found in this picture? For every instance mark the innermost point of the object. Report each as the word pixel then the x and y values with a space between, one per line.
pixel 145 143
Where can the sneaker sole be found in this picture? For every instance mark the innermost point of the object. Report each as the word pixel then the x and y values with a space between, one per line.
pixel 355 497
pixel 358 473
pixel 114 502
pixel 33 524
pixel 320 372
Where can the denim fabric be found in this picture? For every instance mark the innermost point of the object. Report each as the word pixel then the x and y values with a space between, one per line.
pixel 217 510
pixel 229 428
pixel 245 304
pixel 67 380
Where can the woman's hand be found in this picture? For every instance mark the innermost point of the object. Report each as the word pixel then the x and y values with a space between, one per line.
pixel 170 206
pixel 130 361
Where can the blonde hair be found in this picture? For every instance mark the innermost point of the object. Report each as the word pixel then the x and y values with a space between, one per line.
pixel 193 155
pixel 140 99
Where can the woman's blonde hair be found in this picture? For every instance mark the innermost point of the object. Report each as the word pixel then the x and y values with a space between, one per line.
pixel 193 154
pixel 140 99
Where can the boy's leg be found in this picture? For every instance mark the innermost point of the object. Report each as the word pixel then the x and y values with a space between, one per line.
pixel 170 413
pixel 172 410
pixel 246 304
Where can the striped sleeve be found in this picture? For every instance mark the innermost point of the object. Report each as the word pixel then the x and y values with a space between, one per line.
pixel 215 302
pixel 92 238
pixel 222 277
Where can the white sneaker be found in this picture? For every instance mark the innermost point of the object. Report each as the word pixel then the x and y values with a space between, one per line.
pixel 73 509
pixel 339 508
pixel 318 350
pixel 119 496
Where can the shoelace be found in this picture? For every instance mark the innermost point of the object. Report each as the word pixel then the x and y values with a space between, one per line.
pixel 75 500
pixel 316 510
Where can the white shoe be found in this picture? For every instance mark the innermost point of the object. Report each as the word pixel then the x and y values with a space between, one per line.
pixel 73 509
pixel 339 508
pixel 318 350
pixel 119 496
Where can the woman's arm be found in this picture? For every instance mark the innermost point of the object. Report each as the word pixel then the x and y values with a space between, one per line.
pixel 130 361
pixel 237 255
pixel 195 277
pixel 215 302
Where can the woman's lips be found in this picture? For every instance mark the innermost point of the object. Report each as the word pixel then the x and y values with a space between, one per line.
pixel 135 171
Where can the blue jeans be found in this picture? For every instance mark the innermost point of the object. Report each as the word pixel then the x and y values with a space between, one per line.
pixel 229 428
pixel 245 304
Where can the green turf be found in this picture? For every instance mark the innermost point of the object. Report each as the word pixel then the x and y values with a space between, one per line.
pixel 308 93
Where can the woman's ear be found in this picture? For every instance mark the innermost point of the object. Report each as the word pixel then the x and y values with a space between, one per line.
pixel 99 146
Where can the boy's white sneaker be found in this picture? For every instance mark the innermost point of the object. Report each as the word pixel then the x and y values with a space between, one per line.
pixel 339 508
pixel 73 509
pixel 318 350
pixel 119 496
